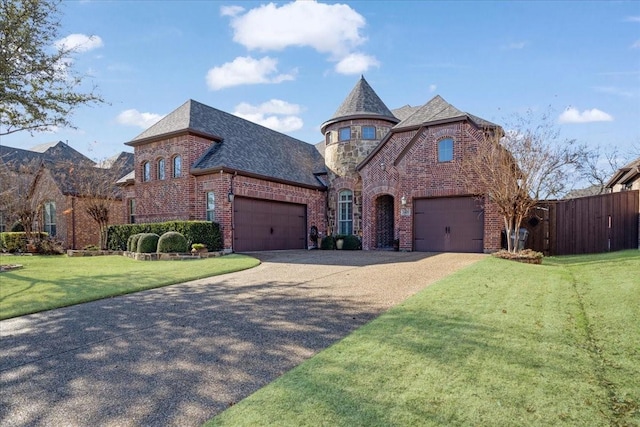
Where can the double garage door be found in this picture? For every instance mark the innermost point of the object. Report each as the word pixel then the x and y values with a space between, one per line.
pixel 264 225
pixel 452 224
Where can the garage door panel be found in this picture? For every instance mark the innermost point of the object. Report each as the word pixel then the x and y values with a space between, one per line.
pixel 268 225
pixel 448 225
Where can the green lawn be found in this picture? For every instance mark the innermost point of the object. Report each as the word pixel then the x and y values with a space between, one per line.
pixel 499 343
pixel 47 282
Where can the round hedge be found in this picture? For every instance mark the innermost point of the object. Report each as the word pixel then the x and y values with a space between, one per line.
pixel 328 243
pixel 172 241
pixel 148 243
pixel 351 243
pixel 132 242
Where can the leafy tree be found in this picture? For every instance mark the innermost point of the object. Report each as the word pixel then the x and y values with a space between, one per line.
pixel 38 88
pixel 516 169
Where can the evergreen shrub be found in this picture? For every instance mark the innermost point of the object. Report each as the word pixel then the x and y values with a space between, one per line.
pixel 172 241
pixel 148 243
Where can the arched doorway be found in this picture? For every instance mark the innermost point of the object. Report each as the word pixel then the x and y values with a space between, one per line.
pixel 384 222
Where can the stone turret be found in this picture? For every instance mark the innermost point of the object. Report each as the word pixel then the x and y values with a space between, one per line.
pixel 356 128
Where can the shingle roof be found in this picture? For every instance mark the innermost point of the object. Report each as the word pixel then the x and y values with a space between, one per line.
pixel 361 102
pixel 625 174
pixel 241 145
pixel 437 110
pixel 51 152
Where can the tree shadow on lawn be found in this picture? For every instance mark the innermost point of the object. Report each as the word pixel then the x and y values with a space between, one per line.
pixel 175 357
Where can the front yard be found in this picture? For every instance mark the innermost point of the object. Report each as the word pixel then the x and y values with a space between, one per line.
pixel 499 343
pixel 47 282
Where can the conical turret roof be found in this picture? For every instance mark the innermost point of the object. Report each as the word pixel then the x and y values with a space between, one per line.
pixel 362 102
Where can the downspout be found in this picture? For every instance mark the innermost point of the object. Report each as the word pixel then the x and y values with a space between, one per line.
pixel 73 222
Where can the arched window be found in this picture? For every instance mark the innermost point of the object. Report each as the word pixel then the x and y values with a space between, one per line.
pixel 49 218
pixel 177 167
pixel 161 169
pixel 345 212
pixel 445 150
pixel 146 172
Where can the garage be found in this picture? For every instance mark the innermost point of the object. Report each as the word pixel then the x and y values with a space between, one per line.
pixel 448 224
pixel 265 225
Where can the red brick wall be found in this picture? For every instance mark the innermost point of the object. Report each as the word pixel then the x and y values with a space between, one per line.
pixel 171 198
pixel 411 169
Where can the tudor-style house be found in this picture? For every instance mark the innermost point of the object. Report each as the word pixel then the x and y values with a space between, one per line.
pixel 380 174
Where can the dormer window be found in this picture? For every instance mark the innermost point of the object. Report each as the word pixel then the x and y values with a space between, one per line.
pixel 345 134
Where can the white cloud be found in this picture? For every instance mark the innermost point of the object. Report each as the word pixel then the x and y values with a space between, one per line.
pixel 333 29
pixel 231 10
pixel 79 43
pixel 515 46
pixel 133 117
pixel 572 115
pixel 275 114
pixel 432 88
pixel 356 63
pixel 246 70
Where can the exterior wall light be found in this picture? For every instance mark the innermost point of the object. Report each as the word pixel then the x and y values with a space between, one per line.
pixel 231 196
pixel 403 201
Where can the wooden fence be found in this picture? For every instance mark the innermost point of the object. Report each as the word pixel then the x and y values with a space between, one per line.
pixel 608 222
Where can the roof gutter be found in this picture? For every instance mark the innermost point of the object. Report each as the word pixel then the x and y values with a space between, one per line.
pixel 220 168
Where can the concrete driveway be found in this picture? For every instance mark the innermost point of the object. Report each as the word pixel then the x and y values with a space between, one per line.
pixel 177 356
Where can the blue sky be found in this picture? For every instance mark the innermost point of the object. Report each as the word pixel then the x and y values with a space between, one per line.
pixel 290 65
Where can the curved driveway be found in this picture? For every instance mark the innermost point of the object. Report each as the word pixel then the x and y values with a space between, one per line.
pixel 177 356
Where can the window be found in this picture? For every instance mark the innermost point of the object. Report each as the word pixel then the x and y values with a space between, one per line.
pixel 3 223
pixel 345 134
pixel 327 138
pixel 132 211
pixel 211 206
pixel 445 150
pixel 146 172
pixel 345 212
pixel 177 167
pixel 368 132
pixel 161 169
pixel 49 219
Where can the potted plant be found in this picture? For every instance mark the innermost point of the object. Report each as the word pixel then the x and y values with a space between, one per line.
pixel 198 248
pixel 339 241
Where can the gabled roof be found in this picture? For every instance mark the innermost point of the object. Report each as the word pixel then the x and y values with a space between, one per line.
pixel 55 152
pixel 361 102
pixel 437 110
pixel 404 111
pixel 626 174
pixel 240 145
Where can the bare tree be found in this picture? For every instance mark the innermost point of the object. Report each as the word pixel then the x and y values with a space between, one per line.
pixel 38 88
pixel 518 168
pixel 96 191
pixel 19 199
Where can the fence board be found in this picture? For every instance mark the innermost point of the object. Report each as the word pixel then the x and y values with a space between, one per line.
pixel 607 222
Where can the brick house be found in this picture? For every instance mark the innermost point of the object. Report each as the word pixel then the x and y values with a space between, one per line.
pixel 44 177
pixel 380 174
pixel 627 178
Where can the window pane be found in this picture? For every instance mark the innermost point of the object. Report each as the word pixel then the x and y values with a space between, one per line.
pixel 368 132
pixel 146 171
pixel 211 205
pixel 161 169
pixel 345 134
pixel 445 150
pixel 345 212
pixel 177 166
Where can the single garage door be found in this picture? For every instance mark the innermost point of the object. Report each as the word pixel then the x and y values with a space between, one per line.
pixel 452 224
pixel 264 225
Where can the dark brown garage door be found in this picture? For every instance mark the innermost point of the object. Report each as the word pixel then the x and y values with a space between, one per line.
pixel 453 224
pixel 264 225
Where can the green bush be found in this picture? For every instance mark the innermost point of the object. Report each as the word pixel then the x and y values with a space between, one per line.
pixel 328 243
pixel 194 231
pixel 172 241
pixel 352 243
pixel 132 242
pixel 17 241
pixel 148 243
pixel 17 227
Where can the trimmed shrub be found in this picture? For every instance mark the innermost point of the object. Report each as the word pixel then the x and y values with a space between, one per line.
pixel 132 242
pixel 148 243
pixel 17 241
pixel 194 231
pixel 172 241
pixel 17 227
pixel 351 243
pixel 328 243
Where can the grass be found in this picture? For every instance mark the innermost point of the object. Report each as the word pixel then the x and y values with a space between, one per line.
pixel 47 282
pixel 499 343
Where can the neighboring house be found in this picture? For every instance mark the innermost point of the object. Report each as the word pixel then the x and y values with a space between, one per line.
pixel 53 176
pixel 625 179
pixel 380 174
